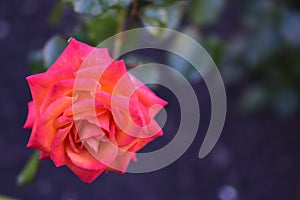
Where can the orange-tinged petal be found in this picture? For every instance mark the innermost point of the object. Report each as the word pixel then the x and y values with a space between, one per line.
pixel 41 83
pixel 45 130
pixel 124 139
pixel 115 79
pixel 146 96
pixel 93 72
pixel 85 107
pixel 57 149
pixel 106 154
pixel 59 89
pixel 83 160
pixel 62 121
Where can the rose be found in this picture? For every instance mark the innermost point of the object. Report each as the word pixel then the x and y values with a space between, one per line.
pixel 89 113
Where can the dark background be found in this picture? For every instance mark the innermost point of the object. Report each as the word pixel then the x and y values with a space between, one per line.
pixel 257 156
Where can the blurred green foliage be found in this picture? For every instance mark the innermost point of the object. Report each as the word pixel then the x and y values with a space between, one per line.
pixel 28 173
pixel 96 7
pixel 206 12
pixel 6 198
pixel 268 58
pixel 261 58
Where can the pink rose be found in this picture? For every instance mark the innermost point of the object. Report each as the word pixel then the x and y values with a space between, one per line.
pixel 89 113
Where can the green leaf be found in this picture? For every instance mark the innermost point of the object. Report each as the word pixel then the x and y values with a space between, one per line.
pixel 214 46
pixel 35 60
pixel 154 16
pixel 52 49
pixel 101 27
pixel 206 12
pixel 57 13
pixel 29 171
pixel 96 7
pixel 6 198
pixel 162 17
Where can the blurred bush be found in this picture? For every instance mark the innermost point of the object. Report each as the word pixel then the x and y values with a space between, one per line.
pixel 266 57
pixel 261 58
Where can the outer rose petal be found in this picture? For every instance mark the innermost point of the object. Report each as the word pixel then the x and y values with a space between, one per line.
pixel 42 137
pixel 140 143
pixel 146 96
pixel 44 155
pixel 87 176
pixel 31 115
pixel 65 88
pixel 121 163
pixel 77 52
pixel 115 79
pixel 40 84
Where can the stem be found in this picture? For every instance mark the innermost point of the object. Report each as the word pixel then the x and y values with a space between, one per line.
pixel 134 8
pixel 122 26
pixel 124 23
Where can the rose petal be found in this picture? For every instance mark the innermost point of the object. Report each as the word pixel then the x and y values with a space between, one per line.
pixel 84 160
pixel 45 130
pixel 85 107
pixel 121 163
pixel 93 143
pixel 31 115
pixel 59 89
pixel 146 96
pixel 93 72
pixel 44 155
pixel 74 140
pixel 140 143
pixel 57 150
pixel 106 154
pixel 62 121
pixel 79 55
pixel 88 130
pixel 41 83
pixel 87 176
pixel 124 139
pixel 115 79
